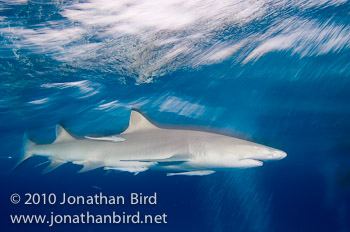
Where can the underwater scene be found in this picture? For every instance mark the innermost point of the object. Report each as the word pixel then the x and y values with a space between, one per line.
pixel 211 115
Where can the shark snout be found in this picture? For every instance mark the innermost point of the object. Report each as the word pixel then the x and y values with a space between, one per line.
pixel 279 154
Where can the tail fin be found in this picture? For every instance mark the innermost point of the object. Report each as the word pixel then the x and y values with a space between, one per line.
pixel 26 150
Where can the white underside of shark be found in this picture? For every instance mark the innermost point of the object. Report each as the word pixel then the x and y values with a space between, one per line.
pixel 144 146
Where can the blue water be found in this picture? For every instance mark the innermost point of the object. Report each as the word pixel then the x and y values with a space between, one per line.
pixel 276 73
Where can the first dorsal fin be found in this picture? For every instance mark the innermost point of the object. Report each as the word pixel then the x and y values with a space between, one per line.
pixel 138 122
pixel 62 135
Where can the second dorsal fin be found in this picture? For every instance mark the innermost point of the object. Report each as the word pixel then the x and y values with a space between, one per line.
pixel 62 135
pixel 138 122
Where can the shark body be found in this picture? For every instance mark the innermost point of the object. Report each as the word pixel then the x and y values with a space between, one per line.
pixel 143 146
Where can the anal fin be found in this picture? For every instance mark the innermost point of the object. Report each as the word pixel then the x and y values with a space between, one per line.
pixel 89 165
pixel 55 163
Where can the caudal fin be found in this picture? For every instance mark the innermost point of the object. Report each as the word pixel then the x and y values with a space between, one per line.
pixel 27 150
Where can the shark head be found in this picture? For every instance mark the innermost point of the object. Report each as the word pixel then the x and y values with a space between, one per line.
pixel 242 154
pixel 264 153
pixel 228 152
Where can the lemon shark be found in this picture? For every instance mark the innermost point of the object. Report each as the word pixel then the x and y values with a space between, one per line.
pixel 144 146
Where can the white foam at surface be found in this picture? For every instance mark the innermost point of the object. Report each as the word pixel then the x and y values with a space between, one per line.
pixel 138 38
pixel 39 101
pixel 86 88
pixel 147 39
pixel 15 2
pixel 306 38
pixel 319 3
pixel 176 105
pixel 110 105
